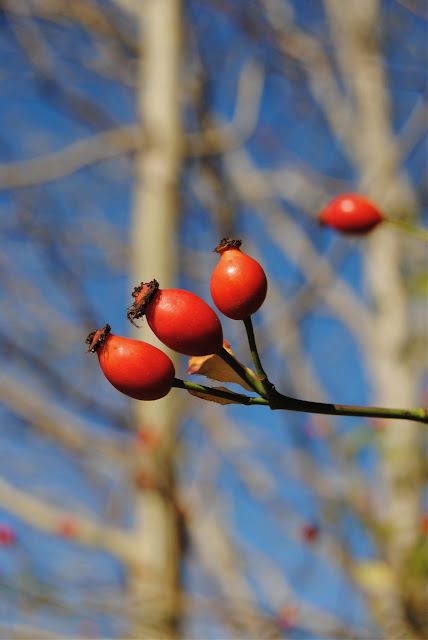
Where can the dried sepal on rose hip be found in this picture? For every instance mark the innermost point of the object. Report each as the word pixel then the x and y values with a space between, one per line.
pixel 181 320
pixel 135 368
pixel 350 213
pixel 238 283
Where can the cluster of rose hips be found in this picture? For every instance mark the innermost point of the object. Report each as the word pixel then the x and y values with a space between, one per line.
pixel 182 321
pixel 187 324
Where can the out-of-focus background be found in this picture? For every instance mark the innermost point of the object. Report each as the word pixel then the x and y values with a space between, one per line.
pixel 134 135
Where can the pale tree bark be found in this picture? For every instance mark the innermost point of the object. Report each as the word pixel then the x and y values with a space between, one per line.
pixel 153 248
pixel 377 160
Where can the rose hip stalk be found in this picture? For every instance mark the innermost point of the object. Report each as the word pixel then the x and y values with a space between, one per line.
pixel 135 368
pixel 180 319
pixel 238 283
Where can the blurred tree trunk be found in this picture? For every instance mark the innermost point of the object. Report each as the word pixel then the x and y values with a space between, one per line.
pixel 394 381
pixel 153 244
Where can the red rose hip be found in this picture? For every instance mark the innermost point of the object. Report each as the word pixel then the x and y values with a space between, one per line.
pixel 350 213
pixel 180 319
pixel 238 283
pixel 135 368
pixel 7 535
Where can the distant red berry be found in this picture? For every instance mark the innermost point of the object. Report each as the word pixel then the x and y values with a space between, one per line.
pixel 287 618
pixel 7 535
pixel 376 423
pixel 67 527
pixel 310 532
pixel 147 439
pixel 350 213
pixel 424 523
pixel 238 283
pixel 180 319
pixel 135 368
pixel 145 480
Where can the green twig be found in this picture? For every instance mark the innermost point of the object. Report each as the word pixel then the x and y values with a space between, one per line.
pixel 421 234
pixel 242 372
pixel 240 398
pixel 285 403
pixel 267 385
pixel 280 401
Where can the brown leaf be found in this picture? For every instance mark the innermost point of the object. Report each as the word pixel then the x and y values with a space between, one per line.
pixel 207 396
pixel 214 368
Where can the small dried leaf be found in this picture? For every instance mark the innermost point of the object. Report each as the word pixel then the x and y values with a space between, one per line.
pixel 214 368
pixel 207 396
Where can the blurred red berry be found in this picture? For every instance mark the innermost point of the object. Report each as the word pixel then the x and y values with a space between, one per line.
pixel 67 527
pixel 147 439
pixel 317 426
pixel 145 480
pixel 287 618
pixel 310 532
pixel 7 535
pixel 350 213
pixel 424 523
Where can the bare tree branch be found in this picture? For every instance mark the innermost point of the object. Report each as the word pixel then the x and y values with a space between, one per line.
pixel 57 423
pixel 80 154
pixel 45 517
pixel 234 134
